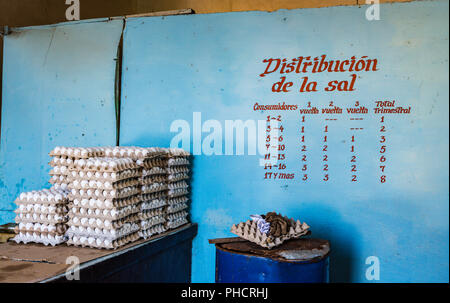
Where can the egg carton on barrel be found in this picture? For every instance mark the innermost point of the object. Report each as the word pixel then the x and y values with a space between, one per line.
pixel 249 230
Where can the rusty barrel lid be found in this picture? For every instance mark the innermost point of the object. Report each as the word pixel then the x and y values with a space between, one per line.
pixel 298 250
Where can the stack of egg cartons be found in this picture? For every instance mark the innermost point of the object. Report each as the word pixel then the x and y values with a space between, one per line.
pixel 105 196
pixel 62 159
pixel 177 179
pixel 42 216
pixel 154 192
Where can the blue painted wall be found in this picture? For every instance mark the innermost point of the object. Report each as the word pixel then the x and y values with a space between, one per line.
pixel 174 66
pixel 58 89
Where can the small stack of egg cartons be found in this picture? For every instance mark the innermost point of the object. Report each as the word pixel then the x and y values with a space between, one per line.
pixel 105 198
pixel 41 216
pixel 177 179
pixel 62 159
pixel 154 192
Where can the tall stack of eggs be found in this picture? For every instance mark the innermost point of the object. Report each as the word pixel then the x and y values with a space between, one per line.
pixel 105 198
pixel 154 192
pixel 41 216
pixel 178 168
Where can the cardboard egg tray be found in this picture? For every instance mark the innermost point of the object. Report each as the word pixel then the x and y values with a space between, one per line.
pixel 249 230
pixel 101 223
pixel 177 169
pixel 173 208
pixel 152 221
pixel 177 200
pixel 133 152
pixel 61 161
pixel 58 179
pixel 60 209
pixel 105 176
pixel 154 162
pixel 156 203
pixel 51 196
pixel 43 238
pixel 99 233
pixel 154 230
pixel 104 164
pixel 54 229
pixel 153 179
pixel 59 171
pixel 104 194
pixel 154 171
pixel 177 215
pixel 105 185
pixel 177 177
pixel 146 214
pixel 77 152
pixel 153 188
pixel 154 195
pixel 107 214
pixel 177 192
pixel 172 224
pixel 41 218
pixel 178 162
pixel 105 203
pixel 93 242
pixel 177 185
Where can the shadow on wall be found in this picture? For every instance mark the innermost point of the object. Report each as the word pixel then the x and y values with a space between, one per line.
pixel 327 224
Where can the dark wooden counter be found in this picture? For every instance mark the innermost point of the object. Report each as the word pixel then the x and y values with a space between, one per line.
pixel 162 258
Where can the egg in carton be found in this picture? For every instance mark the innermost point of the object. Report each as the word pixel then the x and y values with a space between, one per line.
pixel 177 192
pixel 105 185
pixel 77 152
pixel 45 196
pixel 171 178
pixel 172 224
pixel 153 179
pixel 102 223
pixel 152 204
pixel 152 221
pixel 59 170
pixel 154 162
pixel 37 208
pixel 249 230
pixel 41 218
pixel 103 243
pixel 104 164
pixel 152 231
pixel 176 152
pixel 154 171
pixel 172 170
pixel 178 162
pixel 154 195
pixel 42 238
pixel 110 214
pixel 105 176
pixel 61 161
pixel 104 193
pixel 105 203
pixel 153 188
pixel 101 233
pixel 174 208
pixel 132 152
pixel 178 185
pixel 177 200
pixel 55 229
pixel 146 214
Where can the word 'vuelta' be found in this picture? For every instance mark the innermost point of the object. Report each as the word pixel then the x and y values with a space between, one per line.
pixel 318 64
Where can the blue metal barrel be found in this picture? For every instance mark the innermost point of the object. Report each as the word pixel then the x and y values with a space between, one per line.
pixel 296 261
